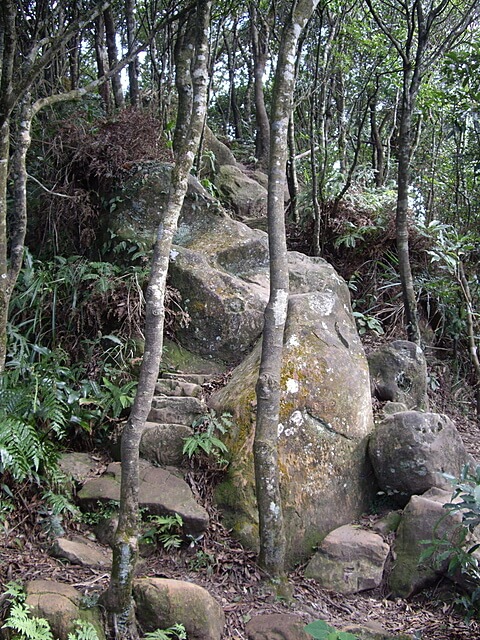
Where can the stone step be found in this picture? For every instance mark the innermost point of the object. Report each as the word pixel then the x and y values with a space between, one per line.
pixel 160 493
pixel 176 410
pixel 177 387
pixel 194 378
pixel 163 444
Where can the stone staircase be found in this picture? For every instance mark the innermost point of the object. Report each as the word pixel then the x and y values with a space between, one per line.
pixel 162 489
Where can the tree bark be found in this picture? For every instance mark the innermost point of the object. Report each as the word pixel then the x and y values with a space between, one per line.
pixel 401 220
pixel 272 536
pixel 118 598
pixel 8 28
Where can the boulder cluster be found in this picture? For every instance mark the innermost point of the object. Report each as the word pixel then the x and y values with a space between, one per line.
pixel 335 461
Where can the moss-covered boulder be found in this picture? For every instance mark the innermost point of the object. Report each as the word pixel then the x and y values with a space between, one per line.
pixel 162 603
pixel 325 418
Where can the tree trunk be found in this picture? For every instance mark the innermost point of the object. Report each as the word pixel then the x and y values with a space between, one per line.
pixel 133 65
pixel 378 154
pixel 272 536
pixel 8 28
pixel 292 177
pixel 4 291
pixel 260 38
pixel 118 598
pixel 401 220
pixel 111 37
pixel 102 62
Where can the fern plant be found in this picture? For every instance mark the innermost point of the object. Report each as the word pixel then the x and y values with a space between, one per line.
pixel 164 529
pixel 177 632
pixel 205 440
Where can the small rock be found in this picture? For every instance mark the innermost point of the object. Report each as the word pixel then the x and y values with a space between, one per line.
pixel 374 631
pixel 81 551
pixel 161 603
pixel 280 626
pixel 349 560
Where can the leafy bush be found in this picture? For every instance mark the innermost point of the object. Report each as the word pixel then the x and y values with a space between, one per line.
pixel 172 633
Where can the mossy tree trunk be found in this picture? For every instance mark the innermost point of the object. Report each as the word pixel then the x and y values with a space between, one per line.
pixel 118 598
pixel 272 537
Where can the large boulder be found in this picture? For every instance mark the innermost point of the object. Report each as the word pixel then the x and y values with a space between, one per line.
pixel 350 559
pixel 398 372
pixel 60 604
pixel 325 418
pixel 162 603
pixel 411 451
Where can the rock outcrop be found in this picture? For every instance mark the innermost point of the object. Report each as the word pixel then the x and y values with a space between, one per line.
pixel 220 267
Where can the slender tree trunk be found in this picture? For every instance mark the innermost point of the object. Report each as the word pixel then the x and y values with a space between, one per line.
pixel 134 92
pixel 4 289
pixel 378 154
pixel 118 598
pixel 272 536
pixel 260 37
pixel 8 28
pixel 472 336
pixel 111 37
pixel 401 221
pixel 292 178
pixel 102 62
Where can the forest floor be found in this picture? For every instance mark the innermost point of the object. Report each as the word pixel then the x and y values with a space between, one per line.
pixel 229 573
